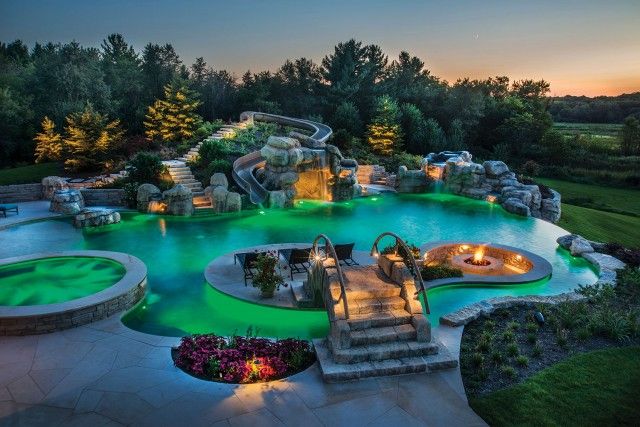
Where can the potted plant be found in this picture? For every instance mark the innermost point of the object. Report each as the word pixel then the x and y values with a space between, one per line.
pixel 267 278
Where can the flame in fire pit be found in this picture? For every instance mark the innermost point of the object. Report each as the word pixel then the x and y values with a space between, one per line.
pixel 478 255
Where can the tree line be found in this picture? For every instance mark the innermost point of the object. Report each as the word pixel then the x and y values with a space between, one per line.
pixel 377 106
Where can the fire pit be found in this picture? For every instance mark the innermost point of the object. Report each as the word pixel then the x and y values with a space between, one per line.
pixel 477 261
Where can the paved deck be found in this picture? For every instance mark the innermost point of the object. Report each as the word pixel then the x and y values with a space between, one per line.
pixel 29 211
pixel 106 374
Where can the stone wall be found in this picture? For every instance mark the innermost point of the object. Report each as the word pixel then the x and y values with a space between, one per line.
pixel 20 193
pixel 103 197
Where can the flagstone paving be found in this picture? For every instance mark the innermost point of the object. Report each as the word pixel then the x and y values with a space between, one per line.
pixel 105 374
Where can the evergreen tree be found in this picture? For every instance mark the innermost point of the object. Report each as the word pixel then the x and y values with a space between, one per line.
pixel 384 133
pixel 347 117
pixel 90 140
pixel 48 142
pixel 414 126
pixel 174 118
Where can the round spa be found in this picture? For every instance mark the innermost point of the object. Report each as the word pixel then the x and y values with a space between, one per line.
pixel 42 293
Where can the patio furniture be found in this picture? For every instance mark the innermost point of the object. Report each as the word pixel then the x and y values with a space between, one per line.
pixel 297 259
pixel 6 208
pixel 248 262
pixel 345 254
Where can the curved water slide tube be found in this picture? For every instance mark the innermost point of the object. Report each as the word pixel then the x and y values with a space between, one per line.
pixel 244 166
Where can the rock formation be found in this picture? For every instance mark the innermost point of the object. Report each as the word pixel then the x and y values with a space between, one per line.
pixel 68 202
pixel 52 183
pixel 179 201
pixel 94 217
pixel 147 193
pixel 222 200
pixel 492 181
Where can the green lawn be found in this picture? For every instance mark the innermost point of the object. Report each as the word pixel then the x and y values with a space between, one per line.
pixel 601 226
pixel 594 129
pixel 29 174
pixel 593 389
pixel 620 200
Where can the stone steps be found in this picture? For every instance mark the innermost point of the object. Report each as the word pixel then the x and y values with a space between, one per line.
pixel 379 319
pixel 374 305
pixel 439 359
pixel 363 337
pixel 383 351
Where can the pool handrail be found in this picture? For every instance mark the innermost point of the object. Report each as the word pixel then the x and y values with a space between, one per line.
pixel 331 251
pixel 415 271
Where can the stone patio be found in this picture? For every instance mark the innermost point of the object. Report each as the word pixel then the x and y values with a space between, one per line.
pixel 107 374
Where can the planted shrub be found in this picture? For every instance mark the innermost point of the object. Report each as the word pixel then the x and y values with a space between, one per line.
pixel 562 336
pixel 439 272
pixel 508 336
pixel 512 350
pixel 477 359
pixel 148 168
pixel 531 338
pixel 537 350
pixel 531 327
pixel 513 326
pixel 242 359
pixel 522 360
pixel 509 371
pixel 497 357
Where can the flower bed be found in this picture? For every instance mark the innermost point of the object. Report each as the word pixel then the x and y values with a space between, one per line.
pixel 242 359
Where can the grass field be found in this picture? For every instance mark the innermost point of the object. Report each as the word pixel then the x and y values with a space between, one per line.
pixel 604 214
pixel 593 389
pixel 619 200
pixel 28 174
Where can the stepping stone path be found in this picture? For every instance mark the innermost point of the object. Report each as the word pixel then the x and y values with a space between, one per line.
pixel 383 339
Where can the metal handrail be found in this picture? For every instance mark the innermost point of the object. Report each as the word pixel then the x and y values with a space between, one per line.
pixel 330 250
pixel 414 266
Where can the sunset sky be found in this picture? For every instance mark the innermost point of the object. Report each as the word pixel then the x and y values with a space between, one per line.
pixel 582 47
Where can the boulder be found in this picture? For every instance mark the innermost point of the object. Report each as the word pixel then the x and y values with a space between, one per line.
pixel 52 183
pixel 282 142
pixel 219 199
pixel 411 181
pixel 579 246
pixel 67 202
pixel 275 156
pixel 147 193
pixel 287 179
pixel 565 241
pixel 495 168
pixel 219 180
pixel 277 199
pixel 95 217
pixel 233 202
pixel 179 201
pixel 516 206
pixel 551 208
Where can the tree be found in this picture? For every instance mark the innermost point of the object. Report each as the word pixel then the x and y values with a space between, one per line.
pixel 48 142
pixel 123 74
pixel 352 72
pixel 408 81
pixel 297 85
pixel 456 137
pixel 384 133
pixel 414 127
pixel 174 118
pixel 347 117
pixel 160 65
pixel 90 140
pixel 435 139
pixel 630 141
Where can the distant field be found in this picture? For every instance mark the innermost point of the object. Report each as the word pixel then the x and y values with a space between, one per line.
pixel 28 174
pixel 604 130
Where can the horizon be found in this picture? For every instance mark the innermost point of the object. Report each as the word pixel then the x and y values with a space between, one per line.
pixel 556 43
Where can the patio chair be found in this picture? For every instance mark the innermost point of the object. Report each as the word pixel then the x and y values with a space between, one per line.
pixel 6 208
pixel 297 259
pixel 345 254
pixel 248 262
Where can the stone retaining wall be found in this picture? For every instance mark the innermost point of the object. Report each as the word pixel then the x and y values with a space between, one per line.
pixel 20 193
pixel 32 325
pixel 103 197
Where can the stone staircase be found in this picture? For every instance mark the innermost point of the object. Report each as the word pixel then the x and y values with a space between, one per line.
pixel 181 173
pixel 384 334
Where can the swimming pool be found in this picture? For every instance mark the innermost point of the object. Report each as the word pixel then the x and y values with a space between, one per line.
pixel 54 280
pixel 176 251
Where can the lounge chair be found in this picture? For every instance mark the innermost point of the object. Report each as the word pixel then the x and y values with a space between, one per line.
pixel 297 259
pixel 248 262
pixel 345 254
pixel 6 208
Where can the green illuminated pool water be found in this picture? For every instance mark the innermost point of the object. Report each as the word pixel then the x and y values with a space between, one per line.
pixel 54 280
pixel 177 250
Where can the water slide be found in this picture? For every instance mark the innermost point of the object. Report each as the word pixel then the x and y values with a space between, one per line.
pixel 244 166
